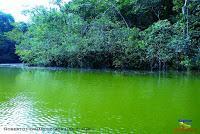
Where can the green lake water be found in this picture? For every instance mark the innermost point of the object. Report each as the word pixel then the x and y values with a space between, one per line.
pixel 97 101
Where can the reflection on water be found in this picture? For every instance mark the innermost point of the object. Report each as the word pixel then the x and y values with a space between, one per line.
pixel 104 102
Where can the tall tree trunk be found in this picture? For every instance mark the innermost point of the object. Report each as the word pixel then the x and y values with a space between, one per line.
pixel 185 10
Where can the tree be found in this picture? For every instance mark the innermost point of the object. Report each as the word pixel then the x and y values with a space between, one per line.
pixel 6 21
pixel 7 47
pixel 129 34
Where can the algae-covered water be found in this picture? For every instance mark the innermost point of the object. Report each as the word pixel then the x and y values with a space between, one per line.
pixel 75 101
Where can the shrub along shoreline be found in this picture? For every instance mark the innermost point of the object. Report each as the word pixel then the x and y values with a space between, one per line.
pixel 132 35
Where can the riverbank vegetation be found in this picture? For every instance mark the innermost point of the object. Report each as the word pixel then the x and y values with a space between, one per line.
pixel 128 34
pixel 7 46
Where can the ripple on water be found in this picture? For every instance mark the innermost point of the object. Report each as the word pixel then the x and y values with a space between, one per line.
pixel 20 112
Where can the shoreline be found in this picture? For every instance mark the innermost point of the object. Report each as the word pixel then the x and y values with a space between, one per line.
pixel 24 66
pixel 125 72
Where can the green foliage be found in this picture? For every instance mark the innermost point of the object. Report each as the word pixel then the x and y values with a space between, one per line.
pixel 157 38
pixel 128 34
pixel 7 47
pixel 5 26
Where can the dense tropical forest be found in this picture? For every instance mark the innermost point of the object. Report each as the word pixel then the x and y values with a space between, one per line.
pixel 116 34
pixel 7 46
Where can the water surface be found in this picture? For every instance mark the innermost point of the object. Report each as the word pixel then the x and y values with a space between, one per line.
pixel 102 102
